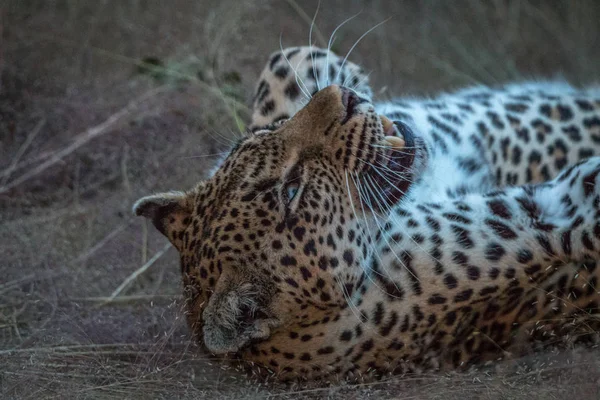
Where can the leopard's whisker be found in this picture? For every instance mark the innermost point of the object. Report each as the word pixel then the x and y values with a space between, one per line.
pixel 356 43
pixel 217 136
pixel 399 174
pixel 357 313
pixel 364 199
pixel 331 38
pixel 401 151
pixel 383 233
pixel 206 155
pixel 350 76
pixel 393 217
pixel 388 181
pixel 304 89
pixel 380 227
pixel 360 82
pixel 310 44
pixel 394 173
pixel 367 270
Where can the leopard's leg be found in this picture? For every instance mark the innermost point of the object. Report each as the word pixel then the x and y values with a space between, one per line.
pixel 533 131
pixel 531 135
pixel 291 76
pixel 496 261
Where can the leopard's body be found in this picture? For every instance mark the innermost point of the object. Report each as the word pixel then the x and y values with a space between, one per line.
pixel 321 248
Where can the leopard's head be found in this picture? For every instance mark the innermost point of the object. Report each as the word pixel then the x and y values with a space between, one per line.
pixel 280 235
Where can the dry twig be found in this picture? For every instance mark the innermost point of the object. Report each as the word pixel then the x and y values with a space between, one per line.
pixel 83 138
pixel 13 165
pixel 137 273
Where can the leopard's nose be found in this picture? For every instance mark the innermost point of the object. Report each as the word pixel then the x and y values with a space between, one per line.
pixel 351 102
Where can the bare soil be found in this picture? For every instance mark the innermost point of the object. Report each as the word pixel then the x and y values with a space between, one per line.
pixel 102 102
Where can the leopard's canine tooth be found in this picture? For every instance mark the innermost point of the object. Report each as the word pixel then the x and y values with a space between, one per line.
pixel 388 125
pixel 391 140
pixel 395 142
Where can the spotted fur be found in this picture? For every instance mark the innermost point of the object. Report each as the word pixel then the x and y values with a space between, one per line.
pixel 317 250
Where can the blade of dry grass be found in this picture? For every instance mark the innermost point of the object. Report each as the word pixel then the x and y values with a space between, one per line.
pixel 85 137
pixel 308 20
pixel 137 273
pixel 102 242
pixel 68 348
pixel 6 173
pixel 127 299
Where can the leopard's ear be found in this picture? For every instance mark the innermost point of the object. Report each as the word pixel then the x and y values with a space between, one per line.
pixel 170 212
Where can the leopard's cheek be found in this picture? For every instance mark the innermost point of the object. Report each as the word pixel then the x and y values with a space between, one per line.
pixel 198 287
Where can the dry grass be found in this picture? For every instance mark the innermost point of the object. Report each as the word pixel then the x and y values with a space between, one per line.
pixel 102 102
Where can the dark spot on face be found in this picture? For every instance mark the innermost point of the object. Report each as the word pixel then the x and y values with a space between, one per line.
pixel 450 318
pixel 305 273
pixel 437 299
pixel 292 91
pixel 494 252
pixel 292 282
pixel 501 229
pixel 348 257
pixel 346 336
pixel 460 258
pixel 281 72
pixel 326 350
pixel 450 281
pixel 299 232
pixel 473 272
pixel 499 208
pixel 288 261
pixel 463 296
pixel 267 108
pixel 368 345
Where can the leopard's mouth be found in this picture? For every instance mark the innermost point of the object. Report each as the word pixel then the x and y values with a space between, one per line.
pixel 400 154
pixel 391 176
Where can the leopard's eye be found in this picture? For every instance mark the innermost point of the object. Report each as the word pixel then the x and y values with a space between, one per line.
pixel 291 189
pixel 292 186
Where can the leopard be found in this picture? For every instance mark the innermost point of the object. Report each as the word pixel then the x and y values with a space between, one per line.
pixel 344 238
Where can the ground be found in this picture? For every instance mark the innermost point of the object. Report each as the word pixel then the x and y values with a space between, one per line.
pixel 104 102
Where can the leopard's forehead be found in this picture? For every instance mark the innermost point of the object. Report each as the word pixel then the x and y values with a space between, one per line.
pixel 262 156
pixel 252 159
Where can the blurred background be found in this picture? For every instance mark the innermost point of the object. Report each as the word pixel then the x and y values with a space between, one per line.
pixel 102 102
